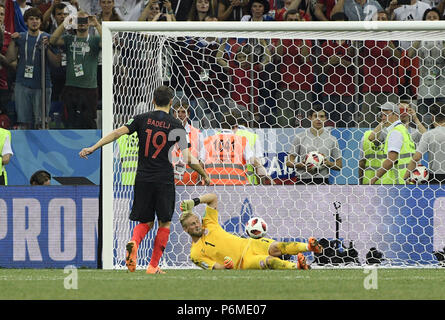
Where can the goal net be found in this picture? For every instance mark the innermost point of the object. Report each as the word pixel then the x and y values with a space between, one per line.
pixel 301 87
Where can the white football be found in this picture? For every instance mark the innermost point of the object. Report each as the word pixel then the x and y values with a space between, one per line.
pixel 256 228
pixel 419 174
pixel 314 160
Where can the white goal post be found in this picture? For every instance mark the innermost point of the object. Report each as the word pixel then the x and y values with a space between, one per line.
pixel 292 211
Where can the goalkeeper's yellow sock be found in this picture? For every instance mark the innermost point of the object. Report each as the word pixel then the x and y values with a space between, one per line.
pixel 292 247
pixel 277 263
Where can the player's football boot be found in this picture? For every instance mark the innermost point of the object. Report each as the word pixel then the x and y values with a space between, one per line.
pixel 131 257
pixel 314 246
pixel 153 270
pixel 301 262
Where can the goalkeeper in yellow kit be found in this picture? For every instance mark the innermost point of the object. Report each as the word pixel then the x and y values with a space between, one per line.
pixel 214 248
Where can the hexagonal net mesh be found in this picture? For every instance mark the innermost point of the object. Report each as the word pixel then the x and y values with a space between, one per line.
pixel 339 94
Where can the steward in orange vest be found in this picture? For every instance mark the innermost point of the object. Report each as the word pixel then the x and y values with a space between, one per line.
pixel 226 158
pixel 184 175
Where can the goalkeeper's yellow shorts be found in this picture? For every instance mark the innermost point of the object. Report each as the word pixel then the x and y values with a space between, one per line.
pixel 256 254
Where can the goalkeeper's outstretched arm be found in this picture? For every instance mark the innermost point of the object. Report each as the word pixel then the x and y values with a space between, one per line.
pixel 210 199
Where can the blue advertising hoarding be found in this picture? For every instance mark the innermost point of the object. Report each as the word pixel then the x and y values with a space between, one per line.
pixel 56 151
pixel 49 226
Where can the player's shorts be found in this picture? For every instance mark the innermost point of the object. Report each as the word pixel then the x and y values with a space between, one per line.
pixel 150 200
pixel 256 254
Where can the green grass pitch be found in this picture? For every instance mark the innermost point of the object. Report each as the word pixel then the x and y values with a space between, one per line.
pixel 350 284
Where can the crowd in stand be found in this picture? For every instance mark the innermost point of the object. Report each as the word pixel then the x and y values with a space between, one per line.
pixel 292 74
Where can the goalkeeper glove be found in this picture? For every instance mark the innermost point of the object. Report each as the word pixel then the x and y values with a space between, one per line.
pixel 187 206
pixel 228 263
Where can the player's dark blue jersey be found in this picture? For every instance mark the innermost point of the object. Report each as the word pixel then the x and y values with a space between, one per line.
pixel 157 132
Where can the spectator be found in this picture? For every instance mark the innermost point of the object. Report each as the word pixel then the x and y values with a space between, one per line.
pixel 108 12
pixel 23 5
pixel 411 12
pixel 80 95
pixel 181 8
pixel 339 87
pixel 26 48
pixel 184 175
pixel 433 144
pixel 323 9
pixel 398 148
pixel 431 87
pixel 152 12
pixel 42 5
pixel 255 142
pixel 248 65
pixel 92 7
pixel 357 10
pixel 55 15
pixel 231 10
pixel 258 11
pixel 379 74
pixel 227 155
pixel 294 97
pixel 58 73
pixel 372 154
pixel 5 67
pixel 302 7
pixel 5 154
pixel 201 9
pixel 316 138
pixel 408 116
pixel 204 82
pixel 127 10
pixel 408 71
pixel 40 178
pixel 49 17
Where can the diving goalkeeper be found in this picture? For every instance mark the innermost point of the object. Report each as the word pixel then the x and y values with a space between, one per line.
pixel 214 248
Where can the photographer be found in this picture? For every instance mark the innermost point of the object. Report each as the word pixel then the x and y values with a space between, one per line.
pixel 158 11
pixel 80 95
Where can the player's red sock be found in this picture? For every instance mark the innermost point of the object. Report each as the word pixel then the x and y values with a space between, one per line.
pixel 139 232
pixel 159 246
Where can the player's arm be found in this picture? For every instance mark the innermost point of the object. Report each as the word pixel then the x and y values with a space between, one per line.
pixel 114 135
pixel 209 199
pixel 195 165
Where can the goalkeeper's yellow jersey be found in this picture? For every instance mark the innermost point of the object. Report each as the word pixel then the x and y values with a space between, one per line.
pixel 216 243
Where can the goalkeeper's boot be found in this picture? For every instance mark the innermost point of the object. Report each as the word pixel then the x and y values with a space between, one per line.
pixel 131 257
pixel 301 262
pixel 314 246
pixel 153 270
